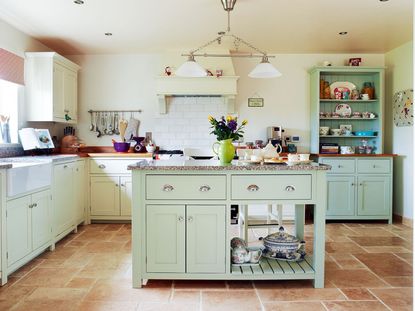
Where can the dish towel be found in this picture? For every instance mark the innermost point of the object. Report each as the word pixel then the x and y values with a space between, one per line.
pixel 5 130
pixel 132 129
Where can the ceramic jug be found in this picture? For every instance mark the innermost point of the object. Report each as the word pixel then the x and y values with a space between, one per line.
pixel 225 150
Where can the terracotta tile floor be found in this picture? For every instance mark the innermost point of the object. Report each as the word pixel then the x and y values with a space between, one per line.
pixel 368 267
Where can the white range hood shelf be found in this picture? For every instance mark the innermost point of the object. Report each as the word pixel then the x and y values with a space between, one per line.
pixel 168 86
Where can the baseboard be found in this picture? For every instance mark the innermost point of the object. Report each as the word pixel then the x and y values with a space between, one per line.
pixel 403 220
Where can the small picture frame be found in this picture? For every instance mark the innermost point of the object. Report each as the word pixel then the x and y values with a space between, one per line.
pixel 355 61
pixel 255 102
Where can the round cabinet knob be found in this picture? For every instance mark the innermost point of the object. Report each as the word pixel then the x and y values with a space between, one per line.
pixel 180 219
pixel 374 166
pixel 204 188
pixel 252 188
pixel 101 166
pixel 34 204
pixel 122 185
pixel 168 188
pixel 339 166
pixel 352 184
pixel 116 185
pixel 190 219
pixel 65 166
pixel 290 188
pixel 360 184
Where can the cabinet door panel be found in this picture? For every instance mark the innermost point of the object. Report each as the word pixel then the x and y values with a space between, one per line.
pixel 41 223
pixel 165 238
pixel 70 93
pixel 105 196
pixel 205 238
pixel 79 191
pixel 18 229
pixel 374 195
pixel 58 91
pixel 63 198
pixel 126 195
pixel 340 196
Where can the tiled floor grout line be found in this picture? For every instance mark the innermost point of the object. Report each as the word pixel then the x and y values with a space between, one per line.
pixel 381 301
pixel 259 298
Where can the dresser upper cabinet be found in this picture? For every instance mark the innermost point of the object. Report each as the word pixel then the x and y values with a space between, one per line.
pixel 51 88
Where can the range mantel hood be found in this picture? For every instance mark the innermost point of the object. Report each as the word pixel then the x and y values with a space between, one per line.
pixel 170 86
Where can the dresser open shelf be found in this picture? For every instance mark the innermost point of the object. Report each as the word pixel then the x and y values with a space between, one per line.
pixel 358 76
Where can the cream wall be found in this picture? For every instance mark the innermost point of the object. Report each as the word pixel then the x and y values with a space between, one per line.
pixel 400 140
pixel 126 82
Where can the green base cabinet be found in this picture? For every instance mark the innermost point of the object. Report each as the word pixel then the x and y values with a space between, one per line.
pixel 359 188
pixel 185 238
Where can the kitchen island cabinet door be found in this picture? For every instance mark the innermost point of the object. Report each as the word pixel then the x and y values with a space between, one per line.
pixel 340 196
pixel 165 238
pixel 19 240
pixel 105 195
pixel 41 220
pixel 206 238
pixel 125 195
pixel 374 195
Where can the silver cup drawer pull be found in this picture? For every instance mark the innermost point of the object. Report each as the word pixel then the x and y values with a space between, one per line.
pixel 204 188
pixel 168 188
pixel 101 166
pixel 252 188
pixel 290 188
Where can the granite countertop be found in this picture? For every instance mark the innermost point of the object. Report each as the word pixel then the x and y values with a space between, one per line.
pixel 120 155
pixel 213 165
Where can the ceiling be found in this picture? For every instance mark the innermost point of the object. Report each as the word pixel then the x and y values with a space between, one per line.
pixel 284 26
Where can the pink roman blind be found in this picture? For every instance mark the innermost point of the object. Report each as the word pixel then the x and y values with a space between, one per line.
pixel 11 67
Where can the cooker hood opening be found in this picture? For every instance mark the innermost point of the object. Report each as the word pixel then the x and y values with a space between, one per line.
pixel 170 86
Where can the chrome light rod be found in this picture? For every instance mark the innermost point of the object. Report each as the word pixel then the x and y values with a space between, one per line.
pixel 229 55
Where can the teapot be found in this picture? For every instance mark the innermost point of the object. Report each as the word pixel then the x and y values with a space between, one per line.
pixel 269 151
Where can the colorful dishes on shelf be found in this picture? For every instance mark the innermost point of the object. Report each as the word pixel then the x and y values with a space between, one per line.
pixel 343 110
pixel 341 90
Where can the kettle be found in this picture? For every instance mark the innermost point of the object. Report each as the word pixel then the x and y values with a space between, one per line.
pixel 269 151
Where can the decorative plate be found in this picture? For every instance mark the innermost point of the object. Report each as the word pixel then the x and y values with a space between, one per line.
pixel 343 110
pixel 298 162
pixel 341 86
pixel 297 256
pixel 249 162
pixel 274 161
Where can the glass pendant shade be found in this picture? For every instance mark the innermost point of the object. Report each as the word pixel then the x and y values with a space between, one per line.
pixel 191 69
pixel 264 70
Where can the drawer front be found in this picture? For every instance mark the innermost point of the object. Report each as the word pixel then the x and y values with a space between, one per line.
pixel 344 166
pixel 188 187
pixel 251 187
pixel 105 166
pixel 381 166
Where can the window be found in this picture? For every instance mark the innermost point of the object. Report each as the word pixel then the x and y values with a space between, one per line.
pixel 9 108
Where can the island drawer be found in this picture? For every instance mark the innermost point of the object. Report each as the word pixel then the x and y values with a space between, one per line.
pixel 188 187
pixel 377 166
pixel 105 166
pixel 270 187
pixel 340 165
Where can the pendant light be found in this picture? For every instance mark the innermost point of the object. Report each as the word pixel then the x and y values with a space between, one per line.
pixel 263 70
pixel 191 69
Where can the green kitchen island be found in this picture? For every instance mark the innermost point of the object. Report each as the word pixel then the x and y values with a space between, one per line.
pixel 181 218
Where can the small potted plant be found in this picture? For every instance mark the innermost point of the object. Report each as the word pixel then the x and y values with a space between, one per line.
pixel 226 131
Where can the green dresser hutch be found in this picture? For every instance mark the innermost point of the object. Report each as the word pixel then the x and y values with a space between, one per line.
pixel 359 186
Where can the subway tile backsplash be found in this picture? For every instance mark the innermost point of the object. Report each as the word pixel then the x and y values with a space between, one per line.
pixel 186 122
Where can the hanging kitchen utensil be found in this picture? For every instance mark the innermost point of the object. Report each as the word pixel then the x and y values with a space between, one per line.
pixel 97 120
pixel 123 126
pixel 132 129
pixel 91 127
pixel 116 121
pixel 104 123
pixel 110 126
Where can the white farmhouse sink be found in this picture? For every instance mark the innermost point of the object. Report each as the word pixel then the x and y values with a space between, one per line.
pixel 28 176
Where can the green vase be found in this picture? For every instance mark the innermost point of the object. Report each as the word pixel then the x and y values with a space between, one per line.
pixel 225 150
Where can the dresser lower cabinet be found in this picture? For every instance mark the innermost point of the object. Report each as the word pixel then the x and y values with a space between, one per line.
pixel 359 188
pixel 185 238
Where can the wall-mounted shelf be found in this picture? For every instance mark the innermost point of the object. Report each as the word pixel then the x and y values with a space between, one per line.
pixel 348 101
pixel 345 136
pixel 352 119
pixel 115 111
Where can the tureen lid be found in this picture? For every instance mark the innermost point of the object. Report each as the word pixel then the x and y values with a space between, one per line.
pixel 281 237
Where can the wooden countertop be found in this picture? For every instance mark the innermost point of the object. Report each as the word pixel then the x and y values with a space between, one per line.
pixel 120 155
